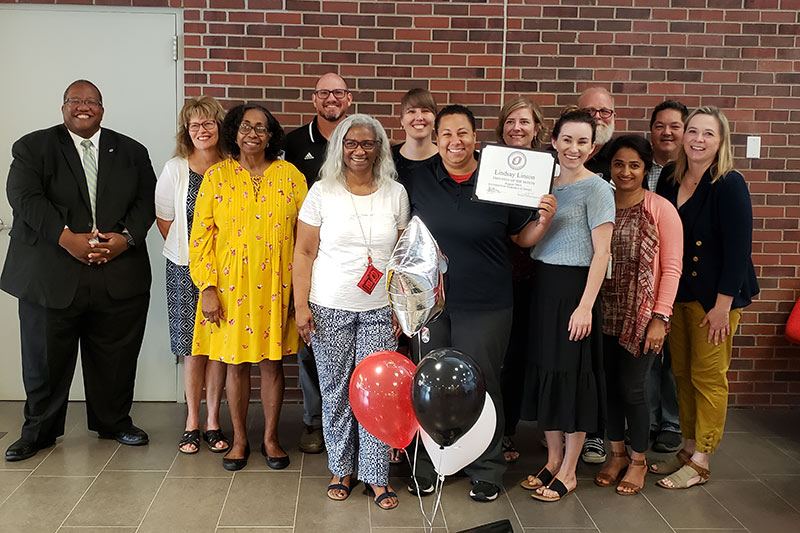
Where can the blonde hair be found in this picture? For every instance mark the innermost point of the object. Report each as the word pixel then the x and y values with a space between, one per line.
pixel 723 162
pixel 540 139
pixel 201 106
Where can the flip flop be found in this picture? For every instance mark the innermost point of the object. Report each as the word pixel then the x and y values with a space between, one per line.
pixel 190 437
pixel 214 436
pixel 555 485
pixel 544 477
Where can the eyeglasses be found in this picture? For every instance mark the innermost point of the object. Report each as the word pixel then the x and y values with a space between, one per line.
pixel 245 128
pixel 337 93
pixel 602 113
pixel 352 144
pixel 208 125
pixel 74 102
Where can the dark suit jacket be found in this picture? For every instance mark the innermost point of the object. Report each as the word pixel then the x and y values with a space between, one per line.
pixel 47 190
pixel 717 239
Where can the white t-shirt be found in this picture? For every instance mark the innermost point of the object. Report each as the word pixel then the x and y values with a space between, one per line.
pixel 342 257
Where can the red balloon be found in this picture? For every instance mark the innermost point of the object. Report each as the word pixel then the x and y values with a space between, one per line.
pixel 380 397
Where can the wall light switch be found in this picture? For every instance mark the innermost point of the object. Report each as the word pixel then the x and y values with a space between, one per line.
pixel 753 147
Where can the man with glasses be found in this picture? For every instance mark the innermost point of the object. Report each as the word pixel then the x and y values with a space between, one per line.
pixel 599 102
pixel 305 149
pixel 82 198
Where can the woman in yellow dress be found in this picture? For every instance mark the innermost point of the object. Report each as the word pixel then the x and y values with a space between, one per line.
pixel 240 258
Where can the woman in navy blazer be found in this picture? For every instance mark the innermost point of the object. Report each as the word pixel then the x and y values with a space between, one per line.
pixel 718 280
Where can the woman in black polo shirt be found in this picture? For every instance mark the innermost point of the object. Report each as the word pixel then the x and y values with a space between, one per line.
pixel 478 310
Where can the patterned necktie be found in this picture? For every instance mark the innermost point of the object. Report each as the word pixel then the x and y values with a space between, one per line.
pixel 90 169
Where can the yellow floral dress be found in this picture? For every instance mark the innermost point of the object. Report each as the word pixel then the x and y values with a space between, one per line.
pixel 242 242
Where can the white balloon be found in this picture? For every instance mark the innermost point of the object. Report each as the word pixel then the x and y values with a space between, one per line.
pixel 450 459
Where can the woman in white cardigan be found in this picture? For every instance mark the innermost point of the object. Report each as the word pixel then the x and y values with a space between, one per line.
pixel 197 149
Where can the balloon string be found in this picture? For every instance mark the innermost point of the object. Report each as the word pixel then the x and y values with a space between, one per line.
pixel 439 487
pixel 428 522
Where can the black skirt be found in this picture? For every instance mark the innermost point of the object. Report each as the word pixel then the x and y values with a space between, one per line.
pixel 565 387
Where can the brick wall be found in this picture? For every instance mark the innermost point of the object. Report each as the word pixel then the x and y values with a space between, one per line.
pixel 741 55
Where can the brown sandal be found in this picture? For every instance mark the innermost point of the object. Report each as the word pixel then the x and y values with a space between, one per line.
pixel 633 489
pixel 604 479
pixel 680 478
pixel 672 464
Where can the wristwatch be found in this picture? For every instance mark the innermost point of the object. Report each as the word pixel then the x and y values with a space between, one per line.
pixel 661 317
pixel 129 238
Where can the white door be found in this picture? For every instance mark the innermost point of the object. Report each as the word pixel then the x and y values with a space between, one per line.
pixel 128 54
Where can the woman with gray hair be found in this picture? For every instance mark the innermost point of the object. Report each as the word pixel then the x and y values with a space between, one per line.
pixel 347 229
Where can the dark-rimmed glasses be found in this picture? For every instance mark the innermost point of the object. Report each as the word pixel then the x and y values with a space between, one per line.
pixel 208 125
pixel 246 127
pixel 367 145
pixel 337 93
pixel 604 113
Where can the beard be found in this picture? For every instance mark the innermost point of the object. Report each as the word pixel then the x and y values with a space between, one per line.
pixel 332 115
pixel 604 133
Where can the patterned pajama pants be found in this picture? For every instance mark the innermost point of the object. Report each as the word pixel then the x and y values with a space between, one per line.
pixel 342 340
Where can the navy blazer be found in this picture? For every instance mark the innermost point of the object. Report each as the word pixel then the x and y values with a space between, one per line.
pixel 717 239
pixel 47 190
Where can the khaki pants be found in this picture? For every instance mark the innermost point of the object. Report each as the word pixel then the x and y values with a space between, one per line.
pixel 700 370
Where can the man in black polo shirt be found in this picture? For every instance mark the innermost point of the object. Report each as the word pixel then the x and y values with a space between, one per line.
pixel 599 102
pixel 305 149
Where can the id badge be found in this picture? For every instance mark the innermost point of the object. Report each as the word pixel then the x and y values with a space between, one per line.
pixel 370 278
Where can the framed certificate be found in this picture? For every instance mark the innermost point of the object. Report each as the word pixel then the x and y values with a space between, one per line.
pixel 515 176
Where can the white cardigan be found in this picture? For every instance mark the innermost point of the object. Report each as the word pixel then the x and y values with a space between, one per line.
pixel 172 189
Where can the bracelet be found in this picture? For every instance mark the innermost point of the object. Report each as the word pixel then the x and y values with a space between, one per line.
pixel 663 318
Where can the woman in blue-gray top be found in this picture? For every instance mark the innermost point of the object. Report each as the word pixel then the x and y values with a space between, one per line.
pixel 566 378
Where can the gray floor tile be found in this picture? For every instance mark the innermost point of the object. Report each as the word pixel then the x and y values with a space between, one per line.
pixel 787 487
pixel 758 456
pixel 460 512
pixel 622 513
pixel 117 499
pixel 315 464
pixel 255 530
pixel 316 512
pixel 789 446
pixel 9 481
pixel 533 513
pixel 40 504
pixel 754 505
pixel 186 504
pixel 261 499
pixel 694 508
pixel 560 530
pixel 69 529
pixel 78 456
pixel 157 455
pixel 201 464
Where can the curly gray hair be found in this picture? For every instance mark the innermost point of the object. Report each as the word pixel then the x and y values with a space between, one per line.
pixel 333 167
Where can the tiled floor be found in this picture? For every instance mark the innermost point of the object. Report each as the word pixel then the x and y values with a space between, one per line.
pixel 84 485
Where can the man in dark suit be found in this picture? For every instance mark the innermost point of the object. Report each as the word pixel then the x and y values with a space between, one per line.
pixel 82 198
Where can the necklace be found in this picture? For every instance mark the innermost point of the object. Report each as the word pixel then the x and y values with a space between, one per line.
pixel 367 243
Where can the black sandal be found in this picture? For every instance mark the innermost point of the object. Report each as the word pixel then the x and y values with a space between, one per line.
pixel 340 486
pixel 508 447
pixel 190 437
pixel 386 494
pixel 214 436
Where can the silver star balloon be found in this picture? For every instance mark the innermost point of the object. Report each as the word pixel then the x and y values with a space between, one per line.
pixel 414 280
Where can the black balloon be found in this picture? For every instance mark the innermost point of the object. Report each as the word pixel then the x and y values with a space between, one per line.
pixel 447 394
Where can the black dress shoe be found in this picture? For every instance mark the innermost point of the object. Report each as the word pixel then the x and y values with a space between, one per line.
pixel 132 436
pixel 23 449
pixel 236 464
pixel 275 463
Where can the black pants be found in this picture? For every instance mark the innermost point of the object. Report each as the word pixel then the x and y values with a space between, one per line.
pixel 626 390
pixel 109 333
pixel 512 375
pixel 483 335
